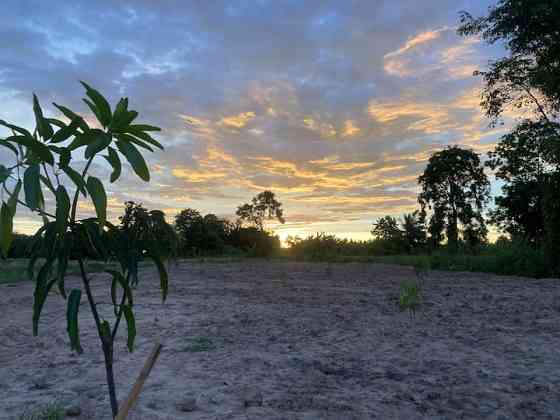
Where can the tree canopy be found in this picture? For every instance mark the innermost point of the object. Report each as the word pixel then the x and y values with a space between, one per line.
pixel 455 189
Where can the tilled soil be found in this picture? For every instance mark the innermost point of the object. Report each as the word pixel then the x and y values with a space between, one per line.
pixel 285 340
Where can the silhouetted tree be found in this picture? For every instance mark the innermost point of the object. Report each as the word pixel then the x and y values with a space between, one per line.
pixel 200 234
pixel 387 228
pixel 527 78
pixel 530 74
pixel 524 160
pixel 455 189
pixel 414 231
pixel 263 206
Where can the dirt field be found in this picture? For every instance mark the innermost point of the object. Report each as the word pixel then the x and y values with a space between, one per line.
pixel 315 341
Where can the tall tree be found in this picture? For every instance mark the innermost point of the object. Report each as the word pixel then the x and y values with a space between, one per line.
pixel 527 78
pixel 524 160
pixel 264 206
pixel 455 189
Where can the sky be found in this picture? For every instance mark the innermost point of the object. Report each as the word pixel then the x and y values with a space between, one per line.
pixel 333 105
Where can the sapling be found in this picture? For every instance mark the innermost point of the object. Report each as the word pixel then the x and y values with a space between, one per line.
pixel 55 160
pixel 409 297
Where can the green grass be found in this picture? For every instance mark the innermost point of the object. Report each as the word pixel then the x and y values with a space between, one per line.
pixel 199 344
pixel 51 411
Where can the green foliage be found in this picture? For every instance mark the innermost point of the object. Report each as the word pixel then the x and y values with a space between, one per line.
pixel 455 189
pixel 201 235
pixel 323 247
pixel 530 75
pixel 409 297
pixel 51 411
pixel 524 160
pixel 65 236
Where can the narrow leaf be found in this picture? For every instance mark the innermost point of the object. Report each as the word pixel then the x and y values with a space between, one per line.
pixel 15 128
pixel 163 278
pixel 43 127
pixel 100 141
pixel 62 208
pixel 67 131
pixel 42 288
pixel 32 187
pixel 101 104
pixel 72 319
pixel 76 179
pixel 130 326
pixel 12 201
pixel 115 162
pixel 71 115
pixel 99 198
pixel 135 159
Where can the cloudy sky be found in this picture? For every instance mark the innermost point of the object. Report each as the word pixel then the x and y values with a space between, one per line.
pixel 333 105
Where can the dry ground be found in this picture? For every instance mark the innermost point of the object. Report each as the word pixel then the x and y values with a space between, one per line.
pixel 317 341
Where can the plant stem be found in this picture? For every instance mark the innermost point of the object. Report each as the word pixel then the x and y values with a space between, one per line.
pixel 106 342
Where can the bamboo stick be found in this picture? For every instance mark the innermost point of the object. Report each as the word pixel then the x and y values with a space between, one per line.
pixel 137 388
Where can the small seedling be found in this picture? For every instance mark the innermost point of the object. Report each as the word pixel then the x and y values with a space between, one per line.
pixel 200 344
pixel 51 411
pixel 409 297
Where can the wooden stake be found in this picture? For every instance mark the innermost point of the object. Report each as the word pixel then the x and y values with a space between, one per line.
pixel 135 392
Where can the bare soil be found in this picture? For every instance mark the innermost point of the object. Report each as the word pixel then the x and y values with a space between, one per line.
pixel 316 341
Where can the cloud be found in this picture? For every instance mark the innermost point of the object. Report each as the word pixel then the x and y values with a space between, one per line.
pixel 336 106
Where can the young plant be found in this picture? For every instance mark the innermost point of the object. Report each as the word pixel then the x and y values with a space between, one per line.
pixel 409 297
pixel 50 162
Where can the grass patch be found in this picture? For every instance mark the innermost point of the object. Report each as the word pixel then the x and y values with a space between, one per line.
pixel 51 411
pixel 200 344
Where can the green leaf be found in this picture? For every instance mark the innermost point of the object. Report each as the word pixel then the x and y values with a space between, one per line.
pixel 72 319
pixel 115 162
pixel 32 187
pixel 65 157
pixel 163 278
pixel 42 289
pixel 12 201
pixel 47 183
pixel 67 131
pixel 56 122
pixel 6 229
pixel 134 140
pixel 15 128
pixel 100 141
pixel 99 198
pixel 120 279
pixel 80 140
pixel 135 159
pixel 103 114
pixel 76 178
pixel 62 208
pixel 43 127
pixel 71 115
pixel 9 146
pixel 4 173
pixel 35 146
pixel 130 326
pixel 144 136
pixel 61 267
pixel 144 127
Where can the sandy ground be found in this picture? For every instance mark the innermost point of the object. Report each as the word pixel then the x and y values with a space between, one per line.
pixel 315 341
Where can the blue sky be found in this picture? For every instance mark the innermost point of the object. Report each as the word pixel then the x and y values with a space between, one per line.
pixel 334 105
